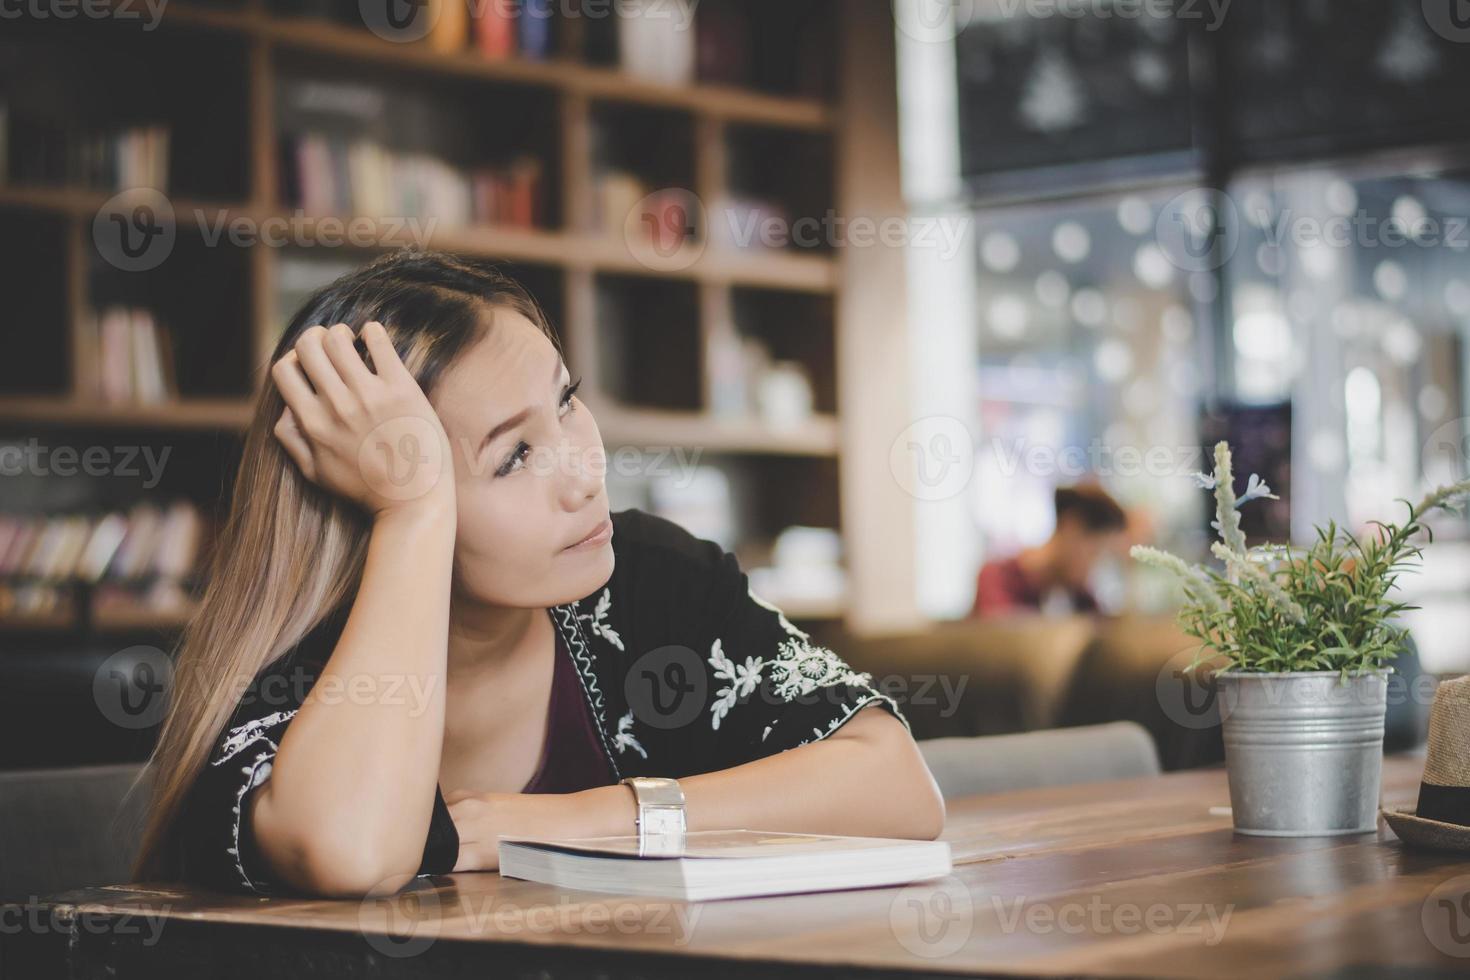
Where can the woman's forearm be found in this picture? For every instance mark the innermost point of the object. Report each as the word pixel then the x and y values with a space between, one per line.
pixel 866 779
pixel 352 787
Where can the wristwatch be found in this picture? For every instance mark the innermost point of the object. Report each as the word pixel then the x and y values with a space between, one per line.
pixel 661 823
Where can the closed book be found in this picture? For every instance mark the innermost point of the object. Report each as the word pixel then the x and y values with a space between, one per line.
pixel 148 367
pixel 450 30
pixel 117 356
pixel 722 44
pixel 536 34
pixel 495 29
pixel 716 864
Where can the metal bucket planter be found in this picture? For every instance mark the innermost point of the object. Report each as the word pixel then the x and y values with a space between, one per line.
pixel 1303 751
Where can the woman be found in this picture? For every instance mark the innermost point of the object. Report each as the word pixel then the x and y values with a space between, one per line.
pixel 423 628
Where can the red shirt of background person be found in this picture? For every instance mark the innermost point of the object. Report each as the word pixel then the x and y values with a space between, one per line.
pixel 1088 522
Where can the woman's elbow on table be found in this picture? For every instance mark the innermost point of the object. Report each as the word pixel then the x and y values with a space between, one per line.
pixel 929 811
pixel 923 813
pixel 325 865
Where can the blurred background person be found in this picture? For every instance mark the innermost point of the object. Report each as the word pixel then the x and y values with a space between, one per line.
pixel 1055 576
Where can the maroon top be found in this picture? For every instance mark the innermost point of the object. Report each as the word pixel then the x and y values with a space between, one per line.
pixel 572 757
pixel 1004 587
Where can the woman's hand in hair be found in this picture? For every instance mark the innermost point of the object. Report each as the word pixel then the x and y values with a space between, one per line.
pixel 368 435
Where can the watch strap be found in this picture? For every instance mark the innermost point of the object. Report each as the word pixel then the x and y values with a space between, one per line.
pixel 661 821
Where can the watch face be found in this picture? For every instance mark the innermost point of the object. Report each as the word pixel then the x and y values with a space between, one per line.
pixel 663 820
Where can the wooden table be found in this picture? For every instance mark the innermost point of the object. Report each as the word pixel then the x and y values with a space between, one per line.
pixel 1131 878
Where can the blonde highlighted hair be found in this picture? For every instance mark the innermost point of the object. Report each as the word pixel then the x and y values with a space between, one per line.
pixel 290 554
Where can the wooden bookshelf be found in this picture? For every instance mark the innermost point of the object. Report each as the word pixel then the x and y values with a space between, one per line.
pixel 321 37
pixel 726 124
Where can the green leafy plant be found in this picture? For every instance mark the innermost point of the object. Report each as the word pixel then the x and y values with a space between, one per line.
pixel 1275 608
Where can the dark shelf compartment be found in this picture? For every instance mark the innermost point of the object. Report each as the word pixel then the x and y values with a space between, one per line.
pixel 655 145
pixel 64 81
pixel 650 338
pixel 791 170
pixel 212 344
pixel 33 282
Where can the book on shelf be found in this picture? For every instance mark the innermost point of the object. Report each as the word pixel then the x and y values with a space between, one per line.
pixel 537 34
pixel 449 29
pixel 624 204
pixel 656 40
pixel 722 43
pixel 36 149
pixel 514 28
pixel 327 175
pixel 134 360
pixel 495 29
pixel 146 542
pixel 139 561
pixel 719 864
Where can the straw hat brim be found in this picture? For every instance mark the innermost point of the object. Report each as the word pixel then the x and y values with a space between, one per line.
pixel 1422 832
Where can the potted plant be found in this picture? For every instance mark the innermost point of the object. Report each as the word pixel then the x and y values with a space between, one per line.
pixel 1300 639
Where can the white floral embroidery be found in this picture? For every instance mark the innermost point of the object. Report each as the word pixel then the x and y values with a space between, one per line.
pixel 837 723
pixel 799 669
pixel 742 679
pixel 255 774
pixel 802 668
pixel 625 739
pixel 236 740
pixel 595 620
pixel 567 618
pixel 241 736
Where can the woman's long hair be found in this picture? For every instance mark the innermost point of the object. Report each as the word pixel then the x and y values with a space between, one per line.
pixel 290 553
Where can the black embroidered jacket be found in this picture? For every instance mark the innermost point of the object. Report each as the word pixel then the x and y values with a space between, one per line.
pixel 686 670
